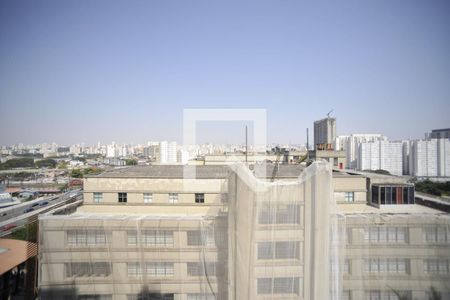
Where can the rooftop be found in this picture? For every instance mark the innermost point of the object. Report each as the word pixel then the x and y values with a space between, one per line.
pixel 164 171
pixel 218 171
pixel 15 252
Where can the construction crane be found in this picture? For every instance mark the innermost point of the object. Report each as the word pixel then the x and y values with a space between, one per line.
pixel 328 114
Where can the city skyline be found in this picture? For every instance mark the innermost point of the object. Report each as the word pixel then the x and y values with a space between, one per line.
pixel 114 71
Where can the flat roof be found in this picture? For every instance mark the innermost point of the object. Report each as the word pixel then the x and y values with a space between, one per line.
pixel 165 171
pixel 363 208
pixel 265 170
pixel 15 252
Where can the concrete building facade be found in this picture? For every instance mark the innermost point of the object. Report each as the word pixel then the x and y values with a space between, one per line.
pixel 273 232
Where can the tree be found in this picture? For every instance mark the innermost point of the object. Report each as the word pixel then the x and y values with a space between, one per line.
pixel 17 163
pixel 92 171
pixel 63 165
pixel 46 163
pixel 131 162
pixel 76 173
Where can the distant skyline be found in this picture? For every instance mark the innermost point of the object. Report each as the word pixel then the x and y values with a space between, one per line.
pixel 89 71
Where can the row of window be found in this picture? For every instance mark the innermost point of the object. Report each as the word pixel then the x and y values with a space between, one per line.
pixel 436 266
pixel 150 296
pixel 382 265
pixel 372 235
pixel 392 195
pixel 166 269
pixel 399 265
pixel 386 235
pixel 152 269
pixel 148 197
pixel 400 235
pixel 159 238
pixel 150 238
pixel 388 295
pixel 159 296
pixel 86 237
pixel 85 269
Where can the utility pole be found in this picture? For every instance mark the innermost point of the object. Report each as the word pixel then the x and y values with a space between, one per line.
pixel 246 146
pixel 307 144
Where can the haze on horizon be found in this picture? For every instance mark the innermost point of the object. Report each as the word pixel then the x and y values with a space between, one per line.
pixel 88 71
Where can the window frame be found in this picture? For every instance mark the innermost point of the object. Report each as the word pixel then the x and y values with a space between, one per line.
pixel 122 197
pixel 199 197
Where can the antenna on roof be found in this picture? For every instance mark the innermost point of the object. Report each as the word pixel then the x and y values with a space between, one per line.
pixel 246 146
pixel 328 114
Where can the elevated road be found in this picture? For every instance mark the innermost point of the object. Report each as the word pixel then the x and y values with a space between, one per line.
pixel 15 217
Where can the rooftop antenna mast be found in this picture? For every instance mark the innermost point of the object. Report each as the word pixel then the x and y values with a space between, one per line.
pixel 246 145
pixel 328 114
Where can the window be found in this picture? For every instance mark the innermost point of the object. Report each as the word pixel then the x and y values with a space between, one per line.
pixel 173 198
pixel 151 238
pixel 159 269
pixel 349 196
pixel 279 214
pixel 199 198
pixel 265 250
pixel 383 265
pixel 152 296
pixel 346 269
pixel 278 285
pixel 346 295
pixel 384 234
pixel 436 235
pixel 436 266
pixel 264 286
pixel 94 297
pixel 134 269
pixel 375 195
pixel 200 297
pixel 278 250
pixel 393 194
pixel 86 237
pixel 85 269
pixel 387 295
pixel 148 197
pixel 98 197
pixel 200 238
pixel 122 197
pixel 286 285
pixel 201 268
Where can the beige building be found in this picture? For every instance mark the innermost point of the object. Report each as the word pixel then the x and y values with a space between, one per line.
pixel 268 232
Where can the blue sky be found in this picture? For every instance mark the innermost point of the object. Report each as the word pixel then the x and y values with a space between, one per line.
pixel 88 71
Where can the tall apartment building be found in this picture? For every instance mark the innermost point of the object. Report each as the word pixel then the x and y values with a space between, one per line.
pixel 324 134
pixel 383 155
pixel 439 134
pixel 351 143
pixel 275 232
pixel 430 158
pixel 167 152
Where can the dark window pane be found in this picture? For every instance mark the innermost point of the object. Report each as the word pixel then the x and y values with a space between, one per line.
pixel 383 195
